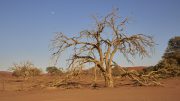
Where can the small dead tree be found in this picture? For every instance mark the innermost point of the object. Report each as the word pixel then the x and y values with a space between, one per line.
pixel 100 45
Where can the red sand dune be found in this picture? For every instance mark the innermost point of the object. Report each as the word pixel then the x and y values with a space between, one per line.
pixel 136 68
pixel 5 74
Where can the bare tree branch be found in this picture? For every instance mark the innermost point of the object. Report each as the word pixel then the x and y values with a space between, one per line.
pixel 94 46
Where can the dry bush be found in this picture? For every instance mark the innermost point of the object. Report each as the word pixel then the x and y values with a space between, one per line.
pixel 90 71
pixel 167 69
pixel 169 66
pixel 25 69
pixel 117 71
pixel 54 71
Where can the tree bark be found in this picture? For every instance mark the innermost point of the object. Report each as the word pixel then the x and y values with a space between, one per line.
pixel 108 80
pixel 111 81
pixel 95 75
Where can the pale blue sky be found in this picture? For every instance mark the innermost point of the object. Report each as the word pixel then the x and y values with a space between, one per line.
pixel 27 26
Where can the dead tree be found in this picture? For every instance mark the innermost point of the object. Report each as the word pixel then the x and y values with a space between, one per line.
pixel 100 45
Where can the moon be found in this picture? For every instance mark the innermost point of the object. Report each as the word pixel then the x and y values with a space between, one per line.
pixel 52 12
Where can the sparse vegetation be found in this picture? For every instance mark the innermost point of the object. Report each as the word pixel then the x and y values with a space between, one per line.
pixel 169 66
pixel 117 71
pixel 54 70
pixel 25 69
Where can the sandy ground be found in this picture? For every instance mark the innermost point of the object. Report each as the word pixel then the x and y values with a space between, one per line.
pixel 170 92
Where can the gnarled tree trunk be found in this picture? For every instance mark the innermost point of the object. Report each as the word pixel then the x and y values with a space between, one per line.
pixel 108 78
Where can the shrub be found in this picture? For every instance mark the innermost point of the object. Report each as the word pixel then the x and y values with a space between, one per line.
pixel 148 69
pixel 169 66
pixel 54 70
pixel 25 69
pixel 119 71
pixel 116 71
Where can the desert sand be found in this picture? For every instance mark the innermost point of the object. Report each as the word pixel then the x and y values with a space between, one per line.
pixel 169 92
